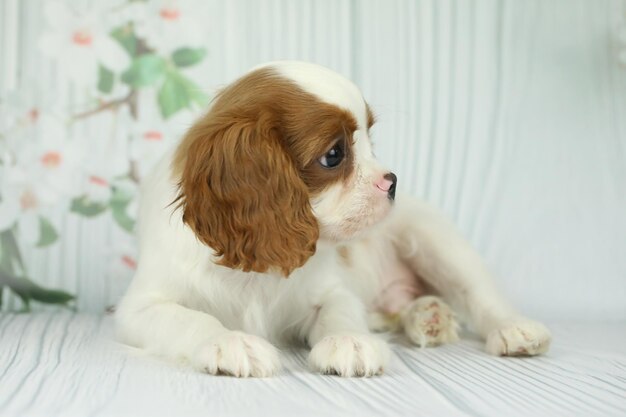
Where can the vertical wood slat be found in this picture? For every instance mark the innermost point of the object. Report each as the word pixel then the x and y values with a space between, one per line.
pixel 9 54
pixel 9 36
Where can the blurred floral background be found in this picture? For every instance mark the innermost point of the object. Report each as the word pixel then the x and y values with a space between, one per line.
pixel 110 54
pixel 509 116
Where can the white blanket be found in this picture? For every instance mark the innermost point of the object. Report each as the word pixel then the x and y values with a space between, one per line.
pixel 68 365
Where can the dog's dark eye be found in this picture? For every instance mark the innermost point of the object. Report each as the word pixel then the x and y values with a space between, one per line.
pixel 333 157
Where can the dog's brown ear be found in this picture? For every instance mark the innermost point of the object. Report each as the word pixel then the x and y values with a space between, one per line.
pixel 241 194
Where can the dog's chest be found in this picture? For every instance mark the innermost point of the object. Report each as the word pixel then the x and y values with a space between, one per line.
pixel 260 304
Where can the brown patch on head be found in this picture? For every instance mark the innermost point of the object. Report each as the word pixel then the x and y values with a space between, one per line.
pixel 248 168
pixel 344 254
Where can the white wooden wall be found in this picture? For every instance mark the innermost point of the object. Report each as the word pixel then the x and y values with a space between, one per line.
pixel 509 115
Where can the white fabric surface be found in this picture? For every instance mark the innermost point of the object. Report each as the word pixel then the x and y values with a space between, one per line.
pixel 66 365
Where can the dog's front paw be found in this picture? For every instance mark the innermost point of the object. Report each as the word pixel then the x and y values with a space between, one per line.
pixel 350 355
pixel 521 338
pixel 428 321
pixel 237 354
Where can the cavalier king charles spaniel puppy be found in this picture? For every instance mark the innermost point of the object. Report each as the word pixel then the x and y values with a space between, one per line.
pixel 272 222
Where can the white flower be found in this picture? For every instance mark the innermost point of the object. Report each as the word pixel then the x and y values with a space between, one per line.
pixel 123 258
pixel 14 125
pixel 167 25
pixel 36 175
pixel 39 153
pixel 100 179
pixel 97 188
pixel 22 201
pixel 150 140
pixel 21 208
pixel 19 113
pixel 38 165
pixel 48 157
pixel 80 43
pixel 103 171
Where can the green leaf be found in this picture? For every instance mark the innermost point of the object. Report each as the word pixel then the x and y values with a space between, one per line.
pixel 47 233
pixel 125 36
pixel 144 71
pixel 82 206
pixel 199 97
pixel 28 290
pixel 186 57
pixel 179 92
pixel 172 98
pixel 105 80
pixel 49 296
pixel 119 203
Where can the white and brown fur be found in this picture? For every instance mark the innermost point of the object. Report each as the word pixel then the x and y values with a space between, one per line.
pixel 247 242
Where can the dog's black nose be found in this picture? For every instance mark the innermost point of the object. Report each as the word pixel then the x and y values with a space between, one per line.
pixel 391 193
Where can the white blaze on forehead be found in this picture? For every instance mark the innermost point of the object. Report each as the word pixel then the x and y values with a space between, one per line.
pixel 326 85
pixel 362 148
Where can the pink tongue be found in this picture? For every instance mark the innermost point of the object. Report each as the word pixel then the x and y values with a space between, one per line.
pixel 384 184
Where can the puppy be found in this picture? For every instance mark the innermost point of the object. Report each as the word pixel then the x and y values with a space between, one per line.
pixel 272 222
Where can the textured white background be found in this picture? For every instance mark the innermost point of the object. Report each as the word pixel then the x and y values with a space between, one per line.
pixel 509 115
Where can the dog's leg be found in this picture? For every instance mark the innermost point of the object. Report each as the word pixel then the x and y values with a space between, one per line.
pixel 171 330
pixel 435 251
pixel 340 340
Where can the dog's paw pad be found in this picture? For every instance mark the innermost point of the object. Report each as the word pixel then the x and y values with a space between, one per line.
pixel 428 321
pixel 521 338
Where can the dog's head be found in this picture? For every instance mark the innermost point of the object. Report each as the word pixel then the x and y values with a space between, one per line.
pixel 282 158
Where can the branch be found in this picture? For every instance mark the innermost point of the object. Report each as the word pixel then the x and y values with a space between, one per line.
pixel 130 99
pixel 134 172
